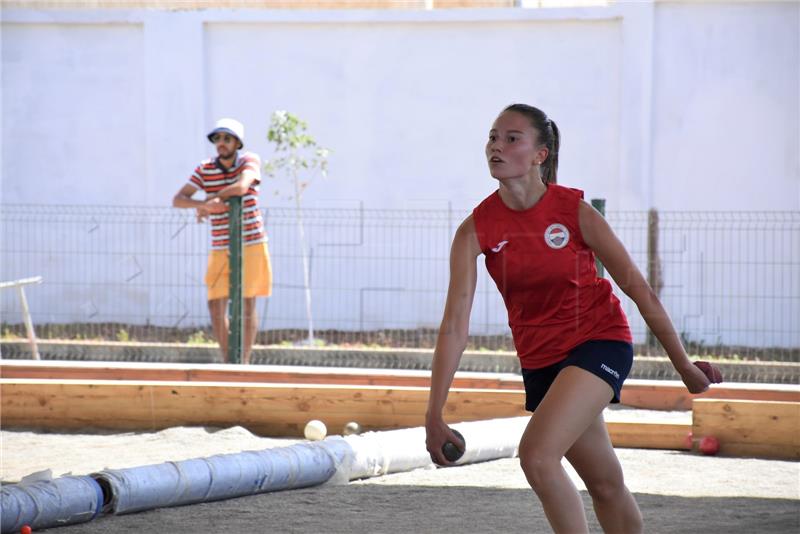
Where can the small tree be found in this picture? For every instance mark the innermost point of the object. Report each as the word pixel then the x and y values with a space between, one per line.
pixel 299 158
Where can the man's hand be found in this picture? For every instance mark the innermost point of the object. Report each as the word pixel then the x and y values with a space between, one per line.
pixel 213 205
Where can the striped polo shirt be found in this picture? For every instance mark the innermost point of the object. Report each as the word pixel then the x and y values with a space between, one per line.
pixel 211 177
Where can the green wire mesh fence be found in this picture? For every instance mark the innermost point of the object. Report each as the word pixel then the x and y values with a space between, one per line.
pixel 730 280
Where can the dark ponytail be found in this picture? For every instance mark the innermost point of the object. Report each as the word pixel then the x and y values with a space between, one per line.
pixel 549 136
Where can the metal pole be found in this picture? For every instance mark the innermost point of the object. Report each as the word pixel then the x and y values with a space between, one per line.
pixel 600 205
pixel 235 287
pixel 653 263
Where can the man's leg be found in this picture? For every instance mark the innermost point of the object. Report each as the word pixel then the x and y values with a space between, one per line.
pixel 250 328
pixel 219 323
pixel 257 278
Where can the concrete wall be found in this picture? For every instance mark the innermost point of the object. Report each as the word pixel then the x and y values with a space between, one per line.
pixel 726 106
pixel 674 105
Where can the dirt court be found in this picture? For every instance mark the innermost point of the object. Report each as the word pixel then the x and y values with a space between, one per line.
pixel 677 491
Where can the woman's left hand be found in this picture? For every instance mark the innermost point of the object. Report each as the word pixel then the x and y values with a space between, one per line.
pixel 711 371
pixel 699 376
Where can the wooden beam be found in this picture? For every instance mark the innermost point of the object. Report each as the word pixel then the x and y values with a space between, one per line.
pixel 649 435
pixel 673 395
pixel 266 409
pixel 252 374
pixel 647 394
pixel 269 409
pixel 749 428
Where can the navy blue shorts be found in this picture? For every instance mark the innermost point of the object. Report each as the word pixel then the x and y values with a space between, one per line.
pixel 610 360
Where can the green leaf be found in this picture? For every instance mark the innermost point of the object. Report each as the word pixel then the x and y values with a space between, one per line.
pixel 288 134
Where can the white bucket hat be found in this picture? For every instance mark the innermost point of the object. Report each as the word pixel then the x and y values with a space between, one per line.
pixel 229 126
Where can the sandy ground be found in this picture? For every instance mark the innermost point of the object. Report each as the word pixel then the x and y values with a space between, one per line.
pixel 677 491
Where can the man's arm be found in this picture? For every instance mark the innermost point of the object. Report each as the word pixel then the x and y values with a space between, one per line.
pixel 251 173
pixel 183 199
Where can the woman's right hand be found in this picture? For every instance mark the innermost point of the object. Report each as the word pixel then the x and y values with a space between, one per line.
pixel 437 433
pixel 452 338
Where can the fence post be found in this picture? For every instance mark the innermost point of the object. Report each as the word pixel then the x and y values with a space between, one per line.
pixel 653 263
pixel 600 205
pixel 235 285
pixel 26 312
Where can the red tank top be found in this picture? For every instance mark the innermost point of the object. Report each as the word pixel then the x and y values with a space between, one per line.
pixel 547 277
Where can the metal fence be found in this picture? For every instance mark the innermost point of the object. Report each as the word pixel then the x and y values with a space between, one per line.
pixel 731 281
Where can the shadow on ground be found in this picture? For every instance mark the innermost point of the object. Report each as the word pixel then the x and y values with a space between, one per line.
pixel 424 509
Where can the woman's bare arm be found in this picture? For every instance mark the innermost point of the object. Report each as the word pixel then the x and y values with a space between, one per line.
pixel 609 249
pixel 453 334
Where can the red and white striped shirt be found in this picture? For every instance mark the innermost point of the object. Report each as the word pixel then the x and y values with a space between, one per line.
pixel 211 177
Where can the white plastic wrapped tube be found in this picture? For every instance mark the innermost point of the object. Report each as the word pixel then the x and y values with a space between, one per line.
pixel 222 476
pixel 394 451
pixel 49 503
pixel 69 500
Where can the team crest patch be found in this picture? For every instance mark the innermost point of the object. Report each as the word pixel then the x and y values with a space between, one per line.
pixel 556 236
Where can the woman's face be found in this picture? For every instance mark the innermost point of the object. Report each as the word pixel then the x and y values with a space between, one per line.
pixel 513 149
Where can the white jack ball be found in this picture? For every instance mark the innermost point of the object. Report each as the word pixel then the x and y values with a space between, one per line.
pixel 315 430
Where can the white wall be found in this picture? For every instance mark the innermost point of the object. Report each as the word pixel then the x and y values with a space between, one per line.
pixel 727 106
pixel 73 113
pixel 675 105
pixel 654 100
pixel 406 106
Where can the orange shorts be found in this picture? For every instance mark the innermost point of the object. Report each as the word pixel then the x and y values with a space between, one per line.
pixel 256 278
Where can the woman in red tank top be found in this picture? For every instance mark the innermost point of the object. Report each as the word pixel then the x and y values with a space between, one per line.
pixel 571 335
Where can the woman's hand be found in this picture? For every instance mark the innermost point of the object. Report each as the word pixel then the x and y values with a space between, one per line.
pixel 437 434
pixel 452 338
pixel 699 376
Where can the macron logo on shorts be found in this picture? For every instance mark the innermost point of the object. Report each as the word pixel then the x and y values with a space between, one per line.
pixel 609 370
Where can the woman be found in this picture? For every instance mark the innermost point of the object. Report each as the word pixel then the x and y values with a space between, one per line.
pixel 571 335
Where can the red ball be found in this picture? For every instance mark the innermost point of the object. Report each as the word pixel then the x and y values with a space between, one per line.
pixel 709 445
pixel 26 529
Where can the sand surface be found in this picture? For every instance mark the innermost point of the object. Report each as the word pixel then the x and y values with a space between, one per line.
pixel 677 491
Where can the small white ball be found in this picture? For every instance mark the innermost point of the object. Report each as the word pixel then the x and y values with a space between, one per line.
pixel 351 428
pixel 315 430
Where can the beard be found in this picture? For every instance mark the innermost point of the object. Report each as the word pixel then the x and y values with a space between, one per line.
pixel 226 153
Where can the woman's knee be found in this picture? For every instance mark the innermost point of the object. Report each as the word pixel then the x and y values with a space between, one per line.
pixel 606 488
pixel 537 464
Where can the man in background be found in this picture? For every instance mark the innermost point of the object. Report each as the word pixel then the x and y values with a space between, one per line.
pixel 233 172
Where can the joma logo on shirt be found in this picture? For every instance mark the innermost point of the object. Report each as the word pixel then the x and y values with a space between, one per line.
pixel 499 246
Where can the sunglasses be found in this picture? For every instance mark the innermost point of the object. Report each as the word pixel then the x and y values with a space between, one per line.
pixel 227 138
